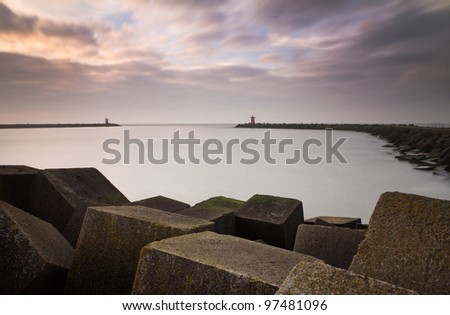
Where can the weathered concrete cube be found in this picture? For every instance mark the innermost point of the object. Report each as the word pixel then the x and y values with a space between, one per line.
pixel 34 256
pixel 334 245
pixel 15 184
pixel 271 219
pixel 336 221
pixel 111 240
pixel 316 278
pixel 408 243
pixel 212 263
pixel 220 210
pixel 61 197
pixel 161 203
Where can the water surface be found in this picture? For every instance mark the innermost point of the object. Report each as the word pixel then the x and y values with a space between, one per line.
pixel 326 189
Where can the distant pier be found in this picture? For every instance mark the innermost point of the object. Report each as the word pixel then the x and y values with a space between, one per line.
pixel 30 126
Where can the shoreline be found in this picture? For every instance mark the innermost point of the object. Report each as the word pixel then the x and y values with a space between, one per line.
pixel 428 147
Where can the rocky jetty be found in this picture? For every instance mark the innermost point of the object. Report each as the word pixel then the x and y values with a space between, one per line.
pixel 426 146
pixel 127 248
pixel 31 126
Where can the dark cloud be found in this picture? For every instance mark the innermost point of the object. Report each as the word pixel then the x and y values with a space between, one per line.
pixel 80 33
pixel 404 51
pixel 192 4
pixel 295 15
pixel 11 22
pixel 212 17
pixel 207 36
pixel 25 72
pixel 410 44
pixel 239 72
pixel 245 39
pixel 25 25
pixel 414 27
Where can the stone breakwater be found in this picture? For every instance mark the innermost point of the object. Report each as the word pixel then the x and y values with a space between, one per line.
pixel 427 147
pixel 70 231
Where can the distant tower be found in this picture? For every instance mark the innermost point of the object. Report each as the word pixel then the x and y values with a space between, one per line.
pixel 252 120
pixel 106 121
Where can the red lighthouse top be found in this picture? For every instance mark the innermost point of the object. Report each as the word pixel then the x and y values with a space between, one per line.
pixel 252 120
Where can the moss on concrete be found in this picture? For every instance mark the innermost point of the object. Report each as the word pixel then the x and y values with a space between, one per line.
pixel 220 203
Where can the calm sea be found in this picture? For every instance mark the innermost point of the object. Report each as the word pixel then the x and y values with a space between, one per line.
pixel 335 189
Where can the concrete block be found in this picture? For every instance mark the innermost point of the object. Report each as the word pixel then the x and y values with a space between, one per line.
pixel 34 256
pixel 161 203
pixel 361 226
pixel 61 197
pixel 15 184
pixel 220 210
pixel 321 222
pixel 408 243
pixel 110 242
pixel 316 278
pixel 212 263
pixel 334 245
pixel 271 219
pixel 336 221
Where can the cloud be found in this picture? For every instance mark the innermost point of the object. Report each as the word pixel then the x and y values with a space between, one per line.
pixel 408 46
pixel 403 51
pixel 12 23
pixel 206 37
pixel 189 4
pixel 293 53
pixel 33 73
pixel 26 25
pixel 297 15
pixel 79 33
pixel 245 39
pixel 409 27
pixel 232 74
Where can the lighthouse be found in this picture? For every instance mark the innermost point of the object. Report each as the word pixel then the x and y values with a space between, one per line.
pixel 252 120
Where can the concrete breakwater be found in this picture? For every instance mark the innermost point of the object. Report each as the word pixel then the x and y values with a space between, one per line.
pixel 427 147
pixel 80 125
pixel 70 231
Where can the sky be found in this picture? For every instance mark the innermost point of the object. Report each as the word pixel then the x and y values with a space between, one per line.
pixel 211 61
